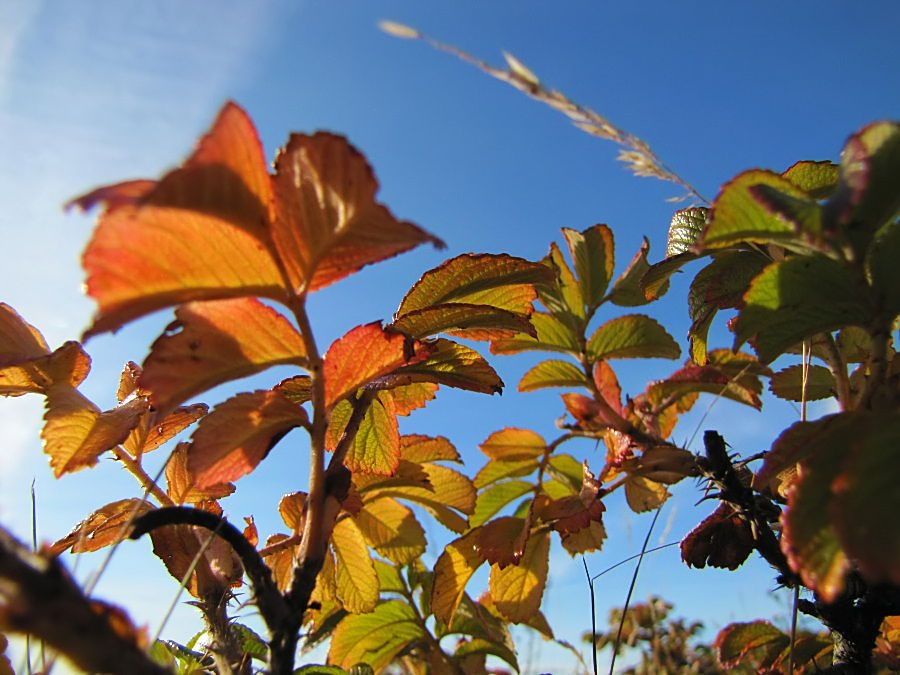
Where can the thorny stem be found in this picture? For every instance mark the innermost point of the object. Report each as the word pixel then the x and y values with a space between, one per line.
pixel 135 469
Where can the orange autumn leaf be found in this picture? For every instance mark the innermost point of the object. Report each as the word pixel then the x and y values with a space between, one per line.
pixel 328 224
pixel 180 481
pixel 152 432
pixel 502 541
pixel 238 434
pixel 67 366
pixel 364 354
pixel 201 232
pixel 107 525
pixel 19 340
pixel 76 432
pixel 214 342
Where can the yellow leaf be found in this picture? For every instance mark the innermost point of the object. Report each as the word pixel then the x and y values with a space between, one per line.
pixel 452 572
pixel 357 582
pixel 517 589
pixel 392 529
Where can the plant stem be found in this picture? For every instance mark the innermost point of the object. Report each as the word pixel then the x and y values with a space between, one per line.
pixel 135 469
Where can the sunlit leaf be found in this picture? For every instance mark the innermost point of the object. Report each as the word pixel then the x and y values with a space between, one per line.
pixel 376 446
pixel 738 640
pixel 297 389
pixel 790 384
pixel 419 448
pixel 738 216
pixel 152 432
pixel 495 497
pixel 357 583
pixel 476 322
pixel 213 342
pixel 392 529
pixel 627 290
pixel 643 494
pixel 292 508
pixel 76 432
pixel 818 179
pixel 803 213
pixel 723 539
pixel 552 373
pixel 632 336
pixel 586 540
pixel 66 366
pixel 495 470
pixel 501 281
pixel 281 562
pixel 231 440
pixel 517 590
pixel 180 481
pixel 513 444
pixel 710 379
pixel 655 282
pixel 19 340
pixel 178 546
pixel 405 399
pixel 563 295
pixel 328 223
pixel 375 638
pixel 107 525
pixel 552 335
pixel 608 385
pixel 593 254
pixel 588 414
pixel 799 297
pixel 567 470
pixel 453 365
pixel 685 228
pixel 364 354
pixel 663 464
pixel 452 571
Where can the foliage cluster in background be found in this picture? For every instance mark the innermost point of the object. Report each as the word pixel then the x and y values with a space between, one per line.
pixel 802 260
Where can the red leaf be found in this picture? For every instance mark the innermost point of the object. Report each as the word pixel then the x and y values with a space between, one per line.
pixel 329 224
pixel 213 342
pixel 723 539
pixel 238 434
pixel 502 541
pixel 366 353
pixel 608 385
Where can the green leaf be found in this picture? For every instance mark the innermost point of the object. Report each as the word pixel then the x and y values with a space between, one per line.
pixel 563 296
pixel 495 497
pixel 796 298
pixel 738 216
pixel 627 290
pixel 375 638
pixel 592 252
pixel 392 530
pixel 376 446
pixel 552 335
pixel 803 214
pixel 883 257
pixel 496 280
pixel 389 579
pixel 867 500
pixel 693 379
pixel 632 336
pixel 496 470
pixel 685 229
pixel 552 374
pixel 316 669
pixel 788 384
pixel 738 640
pixel 251 643
pixel 869 193
pixel 656 281
pixel 817 179
pixel 354 571
pixel 567 470
pixel 476 322
pixel 720 285
pixel 482 646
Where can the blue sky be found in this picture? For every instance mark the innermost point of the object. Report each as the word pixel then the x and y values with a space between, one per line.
pixel 92 93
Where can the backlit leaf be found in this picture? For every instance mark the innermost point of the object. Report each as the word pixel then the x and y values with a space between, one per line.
pixel 723 539
pixel 375 638
pixel 632 336
pixel 552 373
pixel 710 379
pixel 405 399
pixel 685 228
pixel 376 446
pixel 513 444
pixel 567 470
pixel 552 335
pixel 281 562
pixel 213 342
pixel 789 384
pixel 738 640
pixel 151 433
pixel 627 290
pixel 107 525
pixel 738 216
pixel 804 214
pixel 501 281
pixel 495 497
pixel 588 414
pixel 297 389
pixel 392 529
pixel 517 590
pixel 76 432
pixel 818 179
pixel 364 354
pixel 563 294
pixel 66 366
pixel 357 583
pixel 328 223
pixel 643 494
pixel 585 540
pixel 476 322
pixel 237 435
pixel 593 255
pixel 655 282
pixel 496 470
pixel 292 508
pixel 453 365
pixel 799 297
pixel 418 448
pixel 19 340
pixel 452 571
pixel 180 481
